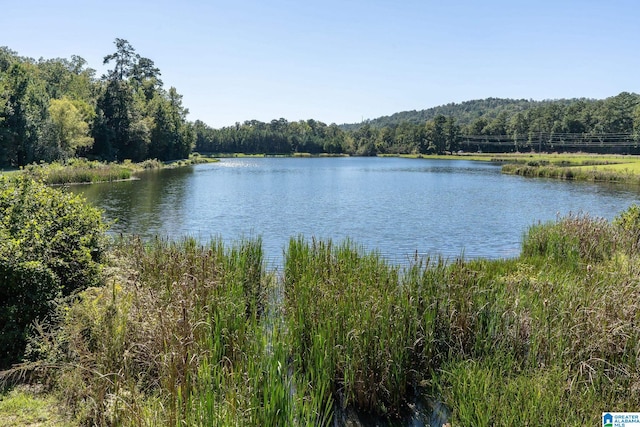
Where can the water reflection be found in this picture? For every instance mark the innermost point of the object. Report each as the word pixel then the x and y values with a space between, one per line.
pixel 397 206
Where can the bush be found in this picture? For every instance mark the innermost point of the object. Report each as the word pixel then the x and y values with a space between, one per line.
pixel 51 244
pixel 629 224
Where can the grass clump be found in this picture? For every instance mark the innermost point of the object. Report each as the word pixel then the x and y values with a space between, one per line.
pixel 182 335
pixel 341 305
pixel 572 240
pixel 78 171
pixel 82 171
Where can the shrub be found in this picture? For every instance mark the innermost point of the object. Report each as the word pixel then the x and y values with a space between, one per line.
pixel 51 244
pixel 629 224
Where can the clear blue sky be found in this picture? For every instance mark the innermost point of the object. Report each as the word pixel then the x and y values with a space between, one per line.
pixel 341 61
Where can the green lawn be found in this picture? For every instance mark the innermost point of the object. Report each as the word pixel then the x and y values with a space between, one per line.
pixel 24 407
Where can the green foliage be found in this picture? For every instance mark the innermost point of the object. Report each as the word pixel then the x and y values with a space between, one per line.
pixel 56 109
pixel 179 337
pixel 571 240
pixel 81 171
pixel 276 137
pixel 201 335
pixel 51 245
pixel 70 129
pixel 629 222
pixel 137 118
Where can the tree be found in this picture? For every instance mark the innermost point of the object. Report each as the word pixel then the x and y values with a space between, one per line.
pixel 136 117
pixel 436 134
pixel 69 127
pixel 118 135
pixel 68 78
pixel 452 132
pixel 124 59
pixel 518 129
pixel 478 126
pixel 617 113
pixel 112 133
pixel 25 113
pixel 498 126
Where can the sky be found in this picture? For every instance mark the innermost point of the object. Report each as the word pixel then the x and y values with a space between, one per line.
pixel 344 61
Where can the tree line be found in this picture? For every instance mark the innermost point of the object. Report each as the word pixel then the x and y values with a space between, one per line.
pixel 56 109
pixel 608 125
pixel 439 135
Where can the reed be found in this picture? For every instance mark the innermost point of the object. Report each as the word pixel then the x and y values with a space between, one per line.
pixel 356 328
pixel 577 173
pixel 183 334
pixel 78 171
pixel 552 330
pixel 191 334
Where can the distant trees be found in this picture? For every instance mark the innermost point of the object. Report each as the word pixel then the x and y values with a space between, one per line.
pixel 612 124
pixel 496 124
pixel 276 137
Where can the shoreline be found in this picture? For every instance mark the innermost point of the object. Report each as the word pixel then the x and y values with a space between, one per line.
pixel 572 166
pixel 82 171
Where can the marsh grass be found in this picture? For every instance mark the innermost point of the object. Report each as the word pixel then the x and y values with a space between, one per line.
pixel 571 172
pixel 186 334
pixel 179 337
pixel 375 334
pixel 82 171
pixel 505 342
pixel 78 171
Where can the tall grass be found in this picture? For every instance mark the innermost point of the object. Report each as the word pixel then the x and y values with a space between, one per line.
pixel 78 171
pixel 570 172
pixel 187 334
pixel 552 333
pixel 179 338
pixel 357 327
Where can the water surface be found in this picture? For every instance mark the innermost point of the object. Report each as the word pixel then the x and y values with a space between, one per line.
pixel 397 206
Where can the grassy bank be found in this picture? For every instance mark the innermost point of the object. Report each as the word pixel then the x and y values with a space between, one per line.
pixel 78 171
pixel 601 168
pixel 82 171
pixel 25 406
pixel 191 334
pixel 585 167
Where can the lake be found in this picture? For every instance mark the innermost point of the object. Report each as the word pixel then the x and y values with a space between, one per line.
pixel 397 206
